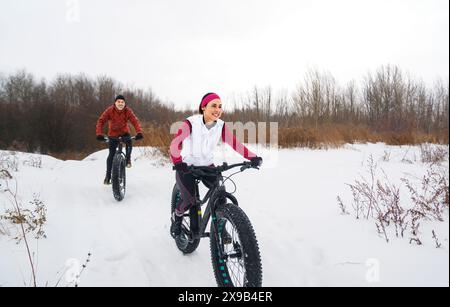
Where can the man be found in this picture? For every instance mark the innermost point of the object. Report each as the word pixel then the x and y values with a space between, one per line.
pixel 118 115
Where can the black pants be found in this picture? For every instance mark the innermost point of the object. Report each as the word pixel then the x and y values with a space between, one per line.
pixel 186 184
pixel 113 143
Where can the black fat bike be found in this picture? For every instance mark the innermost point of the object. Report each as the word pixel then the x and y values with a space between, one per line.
pixel 118 174
pixel 234 248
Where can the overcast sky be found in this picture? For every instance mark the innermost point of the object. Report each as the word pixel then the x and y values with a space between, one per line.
pixel 182 49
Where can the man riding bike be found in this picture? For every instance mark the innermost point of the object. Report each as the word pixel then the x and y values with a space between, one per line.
pixel 118 115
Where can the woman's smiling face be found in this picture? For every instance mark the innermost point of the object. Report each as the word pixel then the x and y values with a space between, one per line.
pixel 213 110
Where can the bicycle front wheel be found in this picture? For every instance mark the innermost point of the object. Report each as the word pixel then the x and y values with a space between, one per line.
pixel 118 178
pixel 240 264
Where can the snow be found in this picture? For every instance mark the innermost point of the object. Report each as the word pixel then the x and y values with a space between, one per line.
pixel 291 202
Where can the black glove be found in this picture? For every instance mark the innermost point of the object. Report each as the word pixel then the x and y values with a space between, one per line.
pixel 181 167
pixel 139 136
pixel 100 138
pixel 256 161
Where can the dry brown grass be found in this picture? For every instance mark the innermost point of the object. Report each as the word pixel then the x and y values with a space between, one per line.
pixel 323 136
pixel 335 135
pixel 156 135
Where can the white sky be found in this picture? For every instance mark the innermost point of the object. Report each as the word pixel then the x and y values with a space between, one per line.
pixel 182 49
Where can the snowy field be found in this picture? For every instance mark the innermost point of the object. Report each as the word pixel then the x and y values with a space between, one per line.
pixel 292 202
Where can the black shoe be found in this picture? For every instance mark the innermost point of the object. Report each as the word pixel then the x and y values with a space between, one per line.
pixel 128 164
pixel 107 181
pixel 175 228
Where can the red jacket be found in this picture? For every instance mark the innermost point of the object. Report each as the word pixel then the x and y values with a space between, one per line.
pixel 118 121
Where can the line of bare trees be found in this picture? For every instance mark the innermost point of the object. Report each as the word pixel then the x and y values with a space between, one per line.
pixel 386 100
pixel 58 116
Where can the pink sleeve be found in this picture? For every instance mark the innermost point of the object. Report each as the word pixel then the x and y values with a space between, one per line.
pixel 229 138
pixel 177 142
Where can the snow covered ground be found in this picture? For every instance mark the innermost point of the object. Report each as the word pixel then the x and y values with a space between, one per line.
pixel 304 240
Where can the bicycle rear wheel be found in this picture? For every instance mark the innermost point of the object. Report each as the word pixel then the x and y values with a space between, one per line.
pixel 185 242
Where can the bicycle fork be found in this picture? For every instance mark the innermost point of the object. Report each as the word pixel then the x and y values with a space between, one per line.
pixel 218 225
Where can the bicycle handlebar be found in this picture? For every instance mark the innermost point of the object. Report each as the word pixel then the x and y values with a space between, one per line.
pixel 202 171
pixel 120 138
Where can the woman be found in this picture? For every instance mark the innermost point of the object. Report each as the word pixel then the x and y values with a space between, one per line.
pixel 194 144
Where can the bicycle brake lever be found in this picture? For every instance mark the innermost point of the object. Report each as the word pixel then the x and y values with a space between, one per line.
pixel 255 167
pixel 244 167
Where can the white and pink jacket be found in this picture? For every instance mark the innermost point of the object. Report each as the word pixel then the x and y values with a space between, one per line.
pixel 194 143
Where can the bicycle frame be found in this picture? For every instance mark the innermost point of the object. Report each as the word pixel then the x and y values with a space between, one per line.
pixel 122 140
pixel 119 149
pixel 214 193
pixel 215 196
